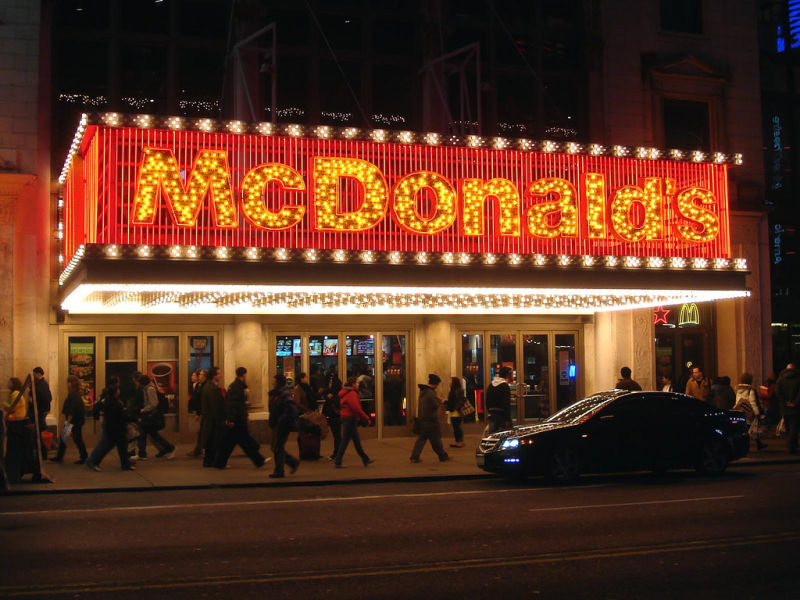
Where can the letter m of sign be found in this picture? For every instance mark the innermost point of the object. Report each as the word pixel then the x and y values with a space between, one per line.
pixel 159 174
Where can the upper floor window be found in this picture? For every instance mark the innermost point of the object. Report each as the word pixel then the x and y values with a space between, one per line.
pixel 687 125
pixel 682 16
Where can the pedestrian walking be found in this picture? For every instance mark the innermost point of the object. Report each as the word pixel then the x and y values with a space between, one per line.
pixel 151 421
pixel 44 398
pixel 75 416
pixel 456 399
pixel 352 416
pixel 498 401
pixel 625 382
pixel 114 428
pixel 747 402
pixel 196 411
pixel 722 394
pixel 234 429
pixel 787 393
pixel 213 415
pixel 283 418
pixel 332 410
pixel 427 426
pixel 698 385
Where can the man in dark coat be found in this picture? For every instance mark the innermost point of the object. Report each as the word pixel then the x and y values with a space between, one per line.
pixel 114 431
pixel 43 400
pixel 234 429
pixel 428 407
pixel 498 401
pixel 283 416
pixel 213 415
pixel 787 392
pixel 626 383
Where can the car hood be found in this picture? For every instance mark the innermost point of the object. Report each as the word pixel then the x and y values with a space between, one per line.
pixel 526 430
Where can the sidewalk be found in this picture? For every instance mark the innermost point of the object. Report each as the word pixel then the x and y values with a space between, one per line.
pixel 391 464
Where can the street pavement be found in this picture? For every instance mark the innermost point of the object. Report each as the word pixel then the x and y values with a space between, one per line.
pixel 391 457
pixel 621 536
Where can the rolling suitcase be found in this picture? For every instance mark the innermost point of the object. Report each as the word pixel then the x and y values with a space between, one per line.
pixel 309 445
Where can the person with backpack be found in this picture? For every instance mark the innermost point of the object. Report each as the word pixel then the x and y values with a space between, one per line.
pixel 747 402
pixel 151 421
pixel 234 429
pixel 498 401
pixel 283 419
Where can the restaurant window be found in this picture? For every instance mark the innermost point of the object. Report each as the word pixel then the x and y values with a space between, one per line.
pixel 472 370
pixel 684 338
pixel 162 367
pixel 288 355
pixel 82 356
pixel 535 376
pixel 122 357
pixel 682 16
pixel 393 353
pixel 360 353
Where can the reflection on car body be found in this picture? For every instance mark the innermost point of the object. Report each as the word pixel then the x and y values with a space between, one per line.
pixel 620 430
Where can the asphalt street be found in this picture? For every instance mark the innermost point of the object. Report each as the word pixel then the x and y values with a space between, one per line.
pixel 619 536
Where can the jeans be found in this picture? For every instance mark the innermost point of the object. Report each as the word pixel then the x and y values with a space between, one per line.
pixel 429 430
pixel 281 456
pixel 104 445
pixel 350 431
pixel 238 434
pixel 77 437
pixel 457 432
pixel 159 442
pixel 335 423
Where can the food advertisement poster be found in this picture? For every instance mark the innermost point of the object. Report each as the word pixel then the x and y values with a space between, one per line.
pixel 82 365
pixel 163 374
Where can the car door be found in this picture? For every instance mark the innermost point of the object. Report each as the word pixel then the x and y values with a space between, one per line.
pixel 617 438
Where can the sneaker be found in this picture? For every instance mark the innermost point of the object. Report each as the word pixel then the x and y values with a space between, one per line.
pixel 92 467
pixel 416 460
pixel 368 462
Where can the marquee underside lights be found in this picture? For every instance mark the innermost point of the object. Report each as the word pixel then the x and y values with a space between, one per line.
pixel 255 299
pixel 145 180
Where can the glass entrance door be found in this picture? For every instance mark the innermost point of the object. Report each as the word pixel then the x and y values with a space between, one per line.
pixel 323 362
pixel 360 353
pixel 535 376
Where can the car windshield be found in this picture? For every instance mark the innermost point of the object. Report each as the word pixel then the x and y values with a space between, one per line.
pixel 582 408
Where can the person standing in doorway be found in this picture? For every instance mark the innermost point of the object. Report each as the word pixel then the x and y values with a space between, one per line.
pixel 74 414
pixel 195 410
pixel 625 382
pixel 498 401
pixel 666 383
pixel 43 400
pixel 455 402
pixel 212 408
pixel 698 385
pixel 352 415
pixel 787 393
pixel 428 408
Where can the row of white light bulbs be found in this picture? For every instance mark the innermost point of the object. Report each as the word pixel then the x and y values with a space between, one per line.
pixel 433 139
pixel 463 258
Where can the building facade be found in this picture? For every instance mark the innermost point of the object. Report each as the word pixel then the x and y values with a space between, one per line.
pixel 637 75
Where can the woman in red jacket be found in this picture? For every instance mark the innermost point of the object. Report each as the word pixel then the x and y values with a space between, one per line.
pixel 351 414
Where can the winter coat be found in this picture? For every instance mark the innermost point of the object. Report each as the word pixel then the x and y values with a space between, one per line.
pixel 212 404
pixel 787 392
pixel 722 394
pixel 114 416
pixel 747 402
pixel 498 398
pixel 701 390
pixel 331 408
pixel 628 384
pixel 43 396
pixel 428 403
pixel 20 410
pixel 196 398
pixel 73 408
pixel 455 402
pixel 284 413
pixel 304 397
pixel 350 405
pixel 235 403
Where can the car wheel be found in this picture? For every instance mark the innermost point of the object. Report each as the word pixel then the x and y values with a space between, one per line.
pixel 563 466
pixel 713 458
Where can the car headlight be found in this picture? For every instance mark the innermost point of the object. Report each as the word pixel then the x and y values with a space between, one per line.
pixel 511 443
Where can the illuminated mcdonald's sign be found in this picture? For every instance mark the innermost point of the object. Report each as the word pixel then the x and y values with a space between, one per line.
pixel 689 315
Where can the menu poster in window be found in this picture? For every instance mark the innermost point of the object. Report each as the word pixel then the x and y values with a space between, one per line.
pixel 163 374
pixel 330 347
pixel 200 354
pixel 82 366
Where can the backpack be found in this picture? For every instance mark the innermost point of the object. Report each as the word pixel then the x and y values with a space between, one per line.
pixel 163 402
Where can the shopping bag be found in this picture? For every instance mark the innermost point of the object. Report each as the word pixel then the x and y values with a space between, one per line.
pixel 47 439
pixel 66 432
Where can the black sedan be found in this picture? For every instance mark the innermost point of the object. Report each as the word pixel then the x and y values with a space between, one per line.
pixel 620 431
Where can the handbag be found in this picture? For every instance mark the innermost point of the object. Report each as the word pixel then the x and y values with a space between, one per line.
pixel 467 409
pixel 47 439
pixel 66 432
pixel 132 432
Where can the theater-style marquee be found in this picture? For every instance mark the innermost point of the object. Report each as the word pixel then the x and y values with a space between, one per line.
pixel 137 188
